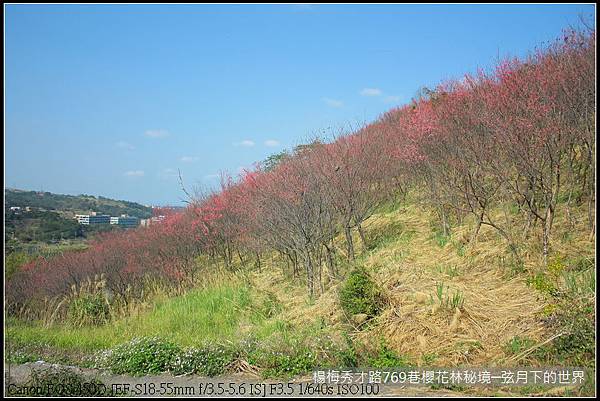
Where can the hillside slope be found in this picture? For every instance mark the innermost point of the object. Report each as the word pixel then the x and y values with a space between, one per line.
pixel 500 300
pixel 74 203
pixel 505 313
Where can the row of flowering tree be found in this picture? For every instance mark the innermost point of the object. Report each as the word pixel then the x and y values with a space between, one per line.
pixel 126 261
pixel 516 134
pixel 513 135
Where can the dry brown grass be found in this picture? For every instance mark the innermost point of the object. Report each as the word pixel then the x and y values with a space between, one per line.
pixel 498 304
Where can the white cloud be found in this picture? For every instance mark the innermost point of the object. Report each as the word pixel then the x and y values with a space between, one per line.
pixel 189 159
pixel 157 133
pixel 134 173
pixel 168 173
pixel 271 143
pixel 371 92
pixel 247 143
pixel 391 99
pixel 333 102
pixel 125 145
pixel 386 98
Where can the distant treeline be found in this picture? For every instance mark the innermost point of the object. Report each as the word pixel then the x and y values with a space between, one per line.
pixel 34 226
pixel 75 204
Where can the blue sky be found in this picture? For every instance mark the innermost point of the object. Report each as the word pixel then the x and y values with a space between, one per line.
pixel 113 99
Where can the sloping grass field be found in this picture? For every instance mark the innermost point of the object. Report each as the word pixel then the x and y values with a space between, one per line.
pixel 444 302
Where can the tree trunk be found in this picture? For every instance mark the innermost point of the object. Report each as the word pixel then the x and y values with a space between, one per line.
pixel 547 230
pixel 330 262
pixel 349 243
pixel 309 274
pixel 363 237
pixel 477 228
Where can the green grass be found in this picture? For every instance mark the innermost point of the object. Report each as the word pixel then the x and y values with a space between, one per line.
pixel 390 233
pixel 451 271
pixel 213 314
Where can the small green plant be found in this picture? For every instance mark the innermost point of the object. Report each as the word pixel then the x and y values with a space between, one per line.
pixel 439 292
pixel 429 359
pixel 556 266
pixel 512 265
pixel 460 248
pixel 359 294
pixel 451 271
pixel 440 239
pixel 457 300
pixel 541 282
pixel 387 358
pixel 513 208
pixel 347 356
pixel 468 347
pixel 444 299
pixel 518 344
pixel 549 309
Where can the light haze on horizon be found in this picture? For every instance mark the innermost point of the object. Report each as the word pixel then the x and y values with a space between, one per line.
pixel 113 100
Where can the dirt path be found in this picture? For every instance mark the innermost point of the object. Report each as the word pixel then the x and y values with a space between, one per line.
pixel 232 385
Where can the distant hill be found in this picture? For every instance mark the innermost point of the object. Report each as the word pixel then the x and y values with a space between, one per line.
pixel 76 204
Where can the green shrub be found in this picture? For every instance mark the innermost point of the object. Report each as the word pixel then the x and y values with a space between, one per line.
pixel 578 346
pixel 210 360
pixel 289 363
pixel 140 356
pixel 359 294
pixel 63 382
